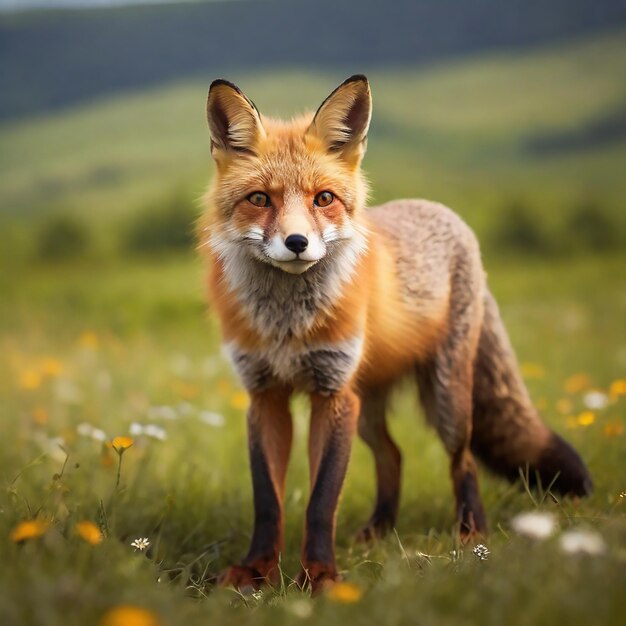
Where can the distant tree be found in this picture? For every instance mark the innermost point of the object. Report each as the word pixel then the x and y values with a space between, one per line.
pixel 62 237
pixel 518 230
pixel 162 225
pixel 590 227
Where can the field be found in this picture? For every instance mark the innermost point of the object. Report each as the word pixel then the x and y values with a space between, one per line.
pixel 112 343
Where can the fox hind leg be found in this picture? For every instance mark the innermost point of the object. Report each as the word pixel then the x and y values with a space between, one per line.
pixel 447 404
pixel 372 428
pixel 445 383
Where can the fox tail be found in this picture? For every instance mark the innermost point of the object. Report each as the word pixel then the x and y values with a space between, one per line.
pixel 507 432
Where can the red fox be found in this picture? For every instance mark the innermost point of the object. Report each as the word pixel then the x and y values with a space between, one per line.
pixel 317 295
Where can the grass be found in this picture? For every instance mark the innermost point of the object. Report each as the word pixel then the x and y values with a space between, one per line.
pixel 114 343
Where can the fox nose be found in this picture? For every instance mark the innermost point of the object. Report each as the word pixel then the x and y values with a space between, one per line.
pixel 296 243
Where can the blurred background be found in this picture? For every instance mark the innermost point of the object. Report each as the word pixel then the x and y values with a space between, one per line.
pixel 512 113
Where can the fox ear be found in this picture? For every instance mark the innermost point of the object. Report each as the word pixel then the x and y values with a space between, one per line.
pixel 234 121
pixel 343 119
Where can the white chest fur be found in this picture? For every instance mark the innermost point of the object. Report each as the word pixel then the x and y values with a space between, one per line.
pixel 283 308
pixel 323 368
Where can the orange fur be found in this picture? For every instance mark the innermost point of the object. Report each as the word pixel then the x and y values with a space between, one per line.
pixel 289 164
pixel 314 294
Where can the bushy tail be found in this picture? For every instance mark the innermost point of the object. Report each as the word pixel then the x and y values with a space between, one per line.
pixel 508 433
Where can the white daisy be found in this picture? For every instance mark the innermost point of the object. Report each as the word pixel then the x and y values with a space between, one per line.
pixel 135 429
pixel 211 418
pixel 582 541
pixel 534 524
pixel 154 431
pixel 87 430
pixel 596 400
pixel 481 551
pixel 140 544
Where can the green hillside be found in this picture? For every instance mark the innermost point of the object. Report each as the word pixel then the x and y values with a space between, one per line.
pixel 52 59
pixel 466 133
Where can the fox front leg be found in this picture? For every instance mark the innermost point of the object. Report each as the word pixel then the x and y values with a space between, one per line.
pixel 333 425
pixel 269 443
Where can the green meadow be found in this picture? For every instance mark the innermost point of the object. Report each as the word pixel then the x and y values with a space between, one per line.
pixel 110 337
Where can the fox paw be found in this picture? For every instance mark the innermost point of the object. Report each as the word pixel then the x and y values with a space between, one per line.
pixel 246 578
pixel 376 528
pixel 318 576
pixel 472 527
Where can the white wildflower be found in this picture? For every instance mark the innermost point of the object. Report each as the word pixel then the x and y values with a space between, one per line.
pixel 163 412
pixel 534 524
pixel 140 544
pixel 481 551
pixel 154 431
pixel 99 435
pixel 585 541
pixel 596 400
pixel 84 429
pixel 211 418
pixel 135 429
pixel 150 430
pixel 300 608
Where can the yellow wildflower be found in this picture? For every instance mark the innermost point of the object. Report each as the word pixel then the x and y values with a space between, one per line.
pixel 119 444
pixel 128 615
pixel 586 418
pixel 88 339
pixel 29 379
pixel 51 367
pixel 577 383
pixel 618 388
pixel 239 400
pixel 30 529
pixel 89 532
pixel 346 593
pixel 40 416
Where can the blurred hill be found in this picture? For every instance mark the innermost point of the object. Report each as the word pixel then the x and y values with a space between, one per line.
pixel 528 146
pixel 51 59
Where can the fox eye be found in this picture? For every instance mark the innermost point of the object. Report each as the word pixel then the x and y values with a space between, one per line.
pixel 260 199
pixel 324 198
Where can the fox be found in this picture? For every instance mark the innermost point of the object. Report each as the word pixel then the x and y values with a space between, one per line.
pixel 316 294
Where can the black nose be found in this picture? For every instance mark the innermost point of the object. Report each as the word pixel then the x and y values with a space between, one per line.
pixel 297 243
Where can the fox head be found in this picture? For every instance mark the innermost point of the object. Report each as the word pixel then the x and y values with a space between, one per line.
pixel 287 194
